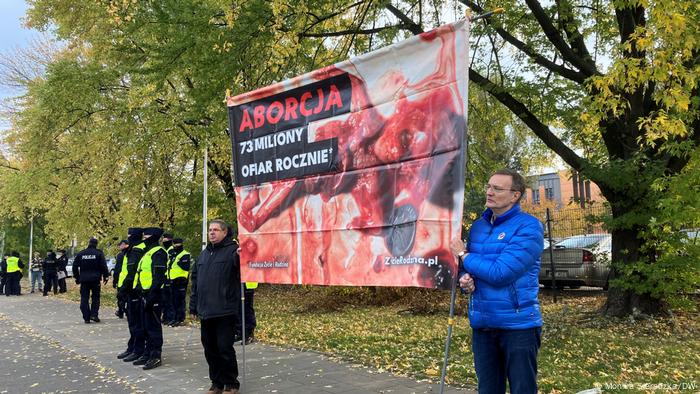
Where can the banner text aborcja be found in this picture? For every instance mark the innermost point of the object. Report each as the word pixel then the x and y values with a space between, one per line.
pixel 354 174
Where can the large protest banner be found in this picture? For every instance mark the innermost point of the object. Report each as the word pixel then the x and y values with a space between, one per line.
pixel 353 174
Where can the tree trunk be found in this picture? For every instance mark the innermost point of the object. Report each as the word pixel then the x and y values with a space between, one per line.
pixel 620 302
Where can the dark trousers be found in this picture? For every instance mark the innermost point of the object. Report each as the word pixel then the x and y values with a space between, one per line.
pixel 179 290
pixel 62 288
pixel 12 283
pixel 152 328
pixel 167 303
pixel 50 280
pixel 137 338
pixel 90 299
pixel 217 339
pixel 3 282
pixel 506 354
pixel 249 311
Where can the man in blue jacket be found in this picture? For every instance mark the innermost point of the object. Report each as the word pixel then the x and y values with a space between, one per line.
pixel 500 267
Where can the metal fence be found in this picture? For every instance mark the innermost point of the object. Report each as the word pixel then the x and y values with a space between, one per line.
pixel 577 248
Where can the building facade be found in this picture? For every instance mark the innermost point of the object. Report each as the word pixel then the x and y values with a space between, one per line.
pixel 564 187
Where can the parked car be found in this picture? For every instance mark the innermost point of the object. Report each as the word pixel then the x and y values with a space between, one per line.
pixel 111 262
pixel 69 267
pixel 581 260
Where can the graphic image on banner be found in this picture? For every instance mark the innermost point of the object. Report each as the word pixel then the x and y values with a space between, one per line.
pixel 354 174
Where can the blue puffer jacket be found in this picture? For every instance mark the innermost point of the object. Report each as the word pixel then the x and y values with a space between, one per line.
pixel 504 260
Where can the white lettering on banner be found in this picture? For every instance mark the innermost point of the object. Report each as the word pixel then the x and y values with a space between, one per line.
pixel 300 160
pixel 304 159
pixel 268 264
pixel 406 260
pixel 254 169
pixel 272 140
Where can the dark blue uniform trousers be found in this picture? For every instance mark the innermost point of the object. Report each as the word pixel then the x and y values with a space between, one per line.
pixel 179 289
pixel 137 338
pixel 152 328
pixel 89 299
pixel 167 304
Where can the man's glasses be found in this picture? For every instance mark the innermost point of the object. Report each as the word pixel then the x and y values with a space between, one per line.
pixel 497 189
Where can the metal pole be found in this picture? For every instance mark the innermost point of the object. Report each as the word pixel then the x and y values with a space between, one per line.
pixel 450 323
pixel 31 240
pixel 243 335
pixel 204 199
pixel 551 256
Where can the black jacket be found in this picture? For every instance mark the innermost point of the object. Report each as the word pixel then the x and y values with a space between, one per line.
pixel 216 281
pixel 50 264
pixel 89 265
pixel 117 268
pixel 62 263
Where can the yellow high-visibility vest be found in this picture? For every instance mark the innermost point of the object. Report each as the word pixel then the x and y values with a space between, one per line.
pixel 123 273
pixel 12 264
pixel 144 272
pixel 251 285
pixel 175 271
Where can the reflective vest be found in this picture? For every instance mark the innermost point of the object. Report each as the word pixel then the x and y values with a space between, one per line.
pixel 12 264
pixel 144 272
pixel 175 271
pixel 251 285
pixel 123 273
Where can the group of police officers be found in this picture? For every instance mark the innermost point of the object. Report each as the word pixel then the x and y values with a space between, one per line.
pixel 151 281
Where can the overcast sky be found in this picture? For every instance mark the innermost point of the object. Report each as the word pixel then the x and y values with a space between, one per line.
pixel 13 34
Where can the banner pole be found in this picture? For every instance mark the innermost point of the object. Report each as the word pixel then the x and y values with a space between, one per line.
pixel 243 335
pixel 450 323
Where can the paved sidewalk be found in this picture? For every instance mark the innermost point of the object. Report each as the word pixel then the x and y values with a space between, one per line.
pixel 46 347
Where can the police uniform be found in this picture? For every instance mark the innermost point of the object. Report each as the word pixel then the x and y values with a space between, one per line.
pixel 89 267
pixel 12 268
pixel 149 279
pixel 130 297
pixel 178 274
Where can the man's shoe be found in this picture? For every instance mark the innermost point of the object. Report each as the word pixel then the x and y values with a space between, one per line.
pixel 176 324
pixel 131 358
pixel 214 389
pixel 95 319
pixel 124 354
pixel 230 390
pixel 250 339
pixel 152 363
pixel 87 321
pixel 141 360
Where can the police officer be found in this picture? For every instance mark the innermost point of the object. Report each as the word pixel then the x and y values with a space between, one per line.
pixel 12 268
pixel 62 260
pixel 132 299
pixel 119 261
pixel 89 267
pixel 149 279
pixel 50 268
pixel 178 273
pixel 168 314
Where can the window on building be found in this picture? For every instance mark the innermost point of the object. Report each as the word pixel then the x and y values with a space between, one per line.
pixel 536 196
pixel 549 193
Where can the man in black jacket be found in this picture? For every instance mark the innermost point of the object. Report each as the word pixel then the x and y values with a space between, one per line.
pixel 148 280
pixel 50 267
pixel 89 267
pixel 129 296
pixel 119 261
pixel 216 273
